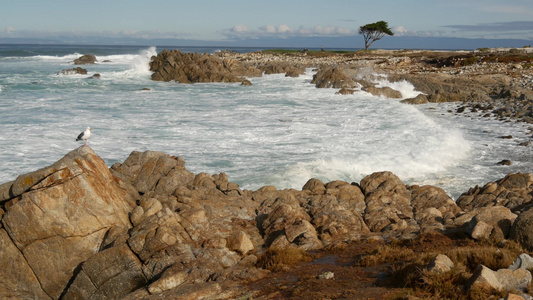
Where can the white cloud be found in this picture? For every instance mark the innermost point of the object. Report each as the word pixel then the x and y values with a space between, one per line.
pixel 285 31
pixel 269 28
pixel 10 30
pixel 240 28
pixel 399 30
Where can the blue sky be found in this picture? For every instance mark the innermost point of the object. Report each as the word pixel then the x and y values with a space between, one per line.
pixel 223 21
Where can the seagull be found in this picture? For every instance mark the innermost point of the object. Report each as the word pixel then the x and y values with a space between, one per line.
pixel 84 136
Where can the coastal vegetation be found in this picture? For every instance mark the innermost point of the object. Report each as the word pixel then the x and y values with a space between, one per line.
pixel 374 31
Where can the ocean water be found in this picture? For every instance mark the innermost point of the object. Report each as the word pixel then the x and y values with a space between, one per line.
pixel 280 131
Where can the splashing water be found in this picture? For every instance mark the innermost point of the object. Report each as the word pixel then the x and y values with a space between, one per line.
pixel 281 131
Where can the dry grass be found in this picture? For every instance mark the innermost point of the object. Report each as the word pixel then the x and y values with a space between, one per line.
pixel 281 259
pixel 408 260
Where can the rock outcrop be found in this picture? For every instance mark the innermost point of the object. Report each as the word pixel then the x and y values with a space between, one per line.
pixel 87 59
pixel 513 191
pixel 332 78
pixel 194 67
pixel 57 218
pixel 149 228
pixel 73 71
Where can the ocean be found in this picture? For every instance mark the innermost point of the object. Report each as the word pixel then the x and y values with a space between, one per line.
pixel 280 131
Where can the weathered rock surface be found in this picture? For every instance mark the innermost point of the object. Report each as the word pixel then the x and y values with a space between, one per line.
pixel 503 279
pixel 524 261
pixel 332 78
pixel 512 191
pixel 148 228
pixel 87 59
pixel 492 223
pixel 59 216
pixel 440 264
pixel 386 92
pixel 194 67
pixel 419 99
pixel 73 71
pixel 522 229
pixel 387 204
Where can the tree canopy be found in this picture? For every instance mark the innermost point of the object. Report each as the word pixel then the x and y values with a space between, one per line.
pixel 374 31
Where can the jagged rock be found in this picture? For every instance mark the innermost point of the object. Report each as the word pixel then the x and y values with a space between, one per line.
pixel 241 243
pixel 61 214
pixel 336 218
pixel 205 290
pixel 315 186
pixel 522 229
pixel 440 97
pixel 345 91
pixel 17 279
pixel 387 204
pixel 145 170
pixel 386 92
pixel 290 70
pixel 73 71
pixel 491 223
pixel 332 78
pixel 441 264
pixel 524 261
pixel 419 99
pixel 432 207
pixel 194 67
pixel 513 191
pixel 167 282
pixel 173 231
pixel 87 59
pixel 503 279
pixel 246 82
pixel 112 273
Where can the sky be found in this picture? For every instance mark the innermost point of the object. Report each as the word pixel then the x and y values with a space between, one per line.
pixel 251 22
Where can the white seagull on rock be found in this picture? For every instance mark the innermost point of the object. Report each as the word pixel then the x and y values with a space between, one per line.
pixel 84 136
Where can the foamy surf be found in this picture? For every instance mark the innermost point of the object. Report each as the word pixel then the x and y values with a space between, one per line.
pixel 281 131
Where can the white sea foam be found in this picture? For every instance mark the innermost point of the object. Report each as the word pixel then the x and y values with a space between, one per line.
pixel 281 131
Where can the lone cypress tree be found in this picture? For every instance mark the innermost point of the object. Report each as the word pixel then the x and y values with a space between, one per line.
pixel 374 31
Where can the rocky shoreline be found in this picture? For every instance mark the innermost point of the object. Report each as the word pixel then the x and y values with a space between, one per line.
pixel 148 228
pixel 496 82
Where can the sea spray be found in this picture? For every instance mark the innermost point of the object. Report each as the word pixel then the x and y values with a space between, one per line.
pixel 281 131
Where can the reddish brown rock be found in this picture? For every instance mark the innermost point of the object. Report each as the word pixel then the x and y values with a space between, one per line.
pixel 61 220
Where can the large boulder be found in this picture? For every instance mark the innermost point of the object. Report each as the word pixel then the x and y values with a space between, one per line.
pixel 493 222
pixel 522 229
pixel 332 78
pixel 153 170
pixel 87 59
pixel 432 207
pixel 501 280
pixel 388 206
pixel 514 191
pixel 59 216
pixel 386 92
pixel 73 71
pixel 194 67
pixel 112 274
